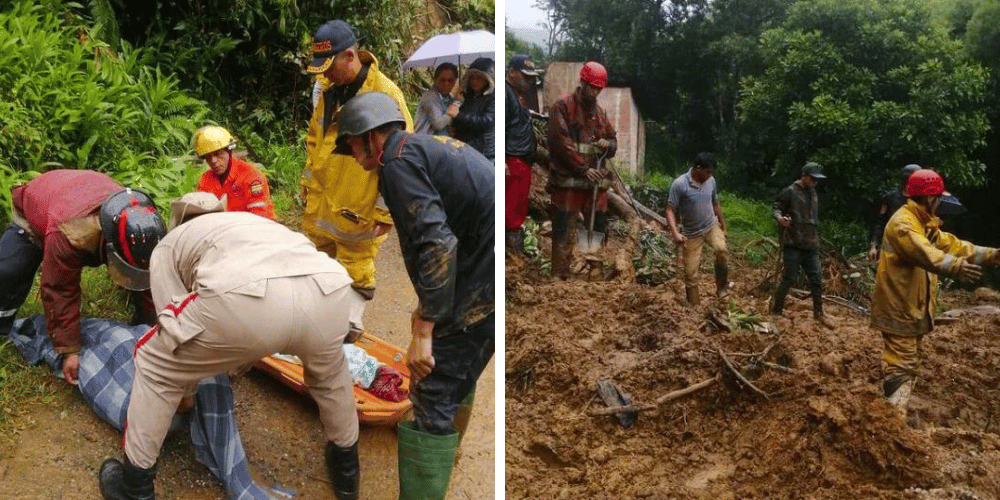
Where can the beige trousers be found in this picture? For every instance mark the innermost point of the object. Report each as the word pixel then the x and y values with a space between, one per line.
pixel 691 252
pixel 302 315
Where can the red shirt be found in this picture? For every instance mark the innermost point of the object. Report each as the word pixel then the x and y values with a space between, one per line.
pixel 46 202
pixel 245 188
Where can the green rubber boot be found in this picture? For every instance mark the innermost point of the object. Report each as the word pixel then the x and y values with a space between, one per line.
pixel 425 463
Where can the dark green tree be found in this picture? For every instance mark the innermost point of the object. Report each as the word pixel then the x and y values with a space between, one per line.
pixel 863 87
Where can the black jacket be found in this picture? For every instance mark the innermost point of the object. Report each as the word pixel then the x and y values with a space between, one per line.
pixel 441 197
pixel 474 123
pixel 520 136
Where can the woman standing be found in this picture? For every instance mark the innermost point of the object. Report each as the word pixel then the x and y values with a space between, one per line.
pixel 437 106
pixel 474 122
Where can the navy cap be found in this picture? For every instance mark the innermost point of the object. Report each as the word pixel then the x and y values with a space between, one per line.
pixel 331 39
pixel 522 63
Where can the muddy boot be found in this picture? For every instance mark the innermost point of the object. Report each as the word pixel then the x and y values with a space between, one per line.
pixel 897 392
pixel 692 295
pixel 721 281
pixel 778 308
pixel 462 417
pixel 514 242
pixel 561 256
pixel 344 469
pixel 425 463
pixel 120 481
pixel 818 311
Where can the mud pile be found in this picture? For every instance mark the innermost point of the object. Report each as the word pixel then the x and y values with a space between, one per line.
pixel 822 431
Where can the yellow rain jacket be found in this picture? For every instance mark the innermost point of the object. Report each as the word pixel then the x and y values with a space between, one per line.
pixel 342 199
pixel 914 252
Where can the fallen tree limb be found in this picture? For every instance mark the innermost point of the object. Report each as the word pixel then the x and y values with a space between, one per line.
pixel 729 364
pixel 666 398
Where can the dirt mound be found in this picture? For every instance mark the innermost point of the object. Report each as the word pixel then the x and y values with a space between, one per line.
pixel 808 421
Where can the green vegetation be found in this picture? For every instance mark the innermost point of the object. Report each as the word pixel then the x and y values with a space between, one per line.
pixel 120 87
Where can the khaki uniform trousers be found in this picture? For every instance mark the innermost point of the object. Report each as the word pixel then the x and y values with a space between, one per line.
pixel 290 315
pixel 692 254
pixel 903 355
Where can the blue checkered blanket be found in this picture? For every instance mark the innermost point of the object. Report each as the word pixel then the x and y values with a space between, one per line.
pixel 106 383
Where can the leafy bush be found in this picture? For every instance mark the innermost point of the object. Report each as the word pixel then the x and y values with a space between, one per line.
pixel 70 103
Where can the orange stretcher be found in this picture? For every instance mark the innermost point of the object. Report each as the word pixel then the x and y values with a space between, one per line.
pixel 371 409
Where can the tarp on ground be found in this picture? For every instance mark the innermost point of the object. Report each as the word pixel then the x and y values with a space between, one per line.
pixel 106 372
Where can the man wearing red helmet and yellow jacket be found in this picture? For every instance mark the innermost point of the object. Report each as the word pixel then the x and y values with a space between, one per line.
pixel 914 251
pixel 580 136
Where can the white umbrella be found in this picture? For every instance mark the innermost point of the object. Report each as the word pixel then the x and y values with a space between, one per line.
pixel 458 48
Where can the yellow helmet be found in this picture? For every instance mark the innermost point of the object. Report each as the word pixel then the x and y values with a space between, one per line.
pixel 211 138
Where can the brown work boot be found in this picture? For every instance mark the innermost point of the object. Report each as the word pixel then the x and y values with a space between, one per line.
pixel 692 295
pixel 561 256
pixel 825 321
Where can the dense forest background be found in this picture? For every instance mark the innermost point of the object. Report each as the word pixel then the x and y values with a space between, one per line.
pixel 861 86
pixel 119 86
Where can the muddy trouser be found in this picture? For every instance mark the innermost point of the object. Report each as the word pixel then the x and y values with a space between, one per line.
pixel 459 359
pixel 692 257
pixel 20 258
pixel 566 203
pixel 901 360
pixel 794 258
pixel 290 315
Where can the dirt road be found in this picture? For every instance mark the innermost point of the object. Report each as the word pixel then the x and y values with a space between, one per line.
pixel 60 446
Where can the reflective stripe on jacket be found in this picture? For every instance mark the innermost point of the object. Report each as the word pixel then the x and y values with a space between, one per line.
pixel 245 188
pixel 914 252
pixel 342 199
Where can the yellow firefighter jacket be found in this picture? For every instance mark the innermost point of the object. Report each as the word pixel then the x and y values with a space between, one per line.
pixel 342 199
pixel 914 252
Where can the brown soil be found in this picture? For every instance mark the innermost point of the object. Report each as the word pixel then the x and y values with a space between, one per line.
pixel 824 432
pixel 60 446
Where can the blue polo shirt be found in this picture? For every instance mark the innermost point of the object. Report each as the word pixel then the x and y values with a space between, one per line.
pixel 693 204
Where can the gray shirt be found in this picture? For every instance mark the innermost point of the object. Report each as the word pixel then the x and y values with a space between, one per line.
pixel 694 204
pixel 432 113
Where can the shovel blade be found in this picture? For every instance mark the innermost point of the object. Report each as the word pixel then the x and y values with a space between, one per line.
pixel 588 241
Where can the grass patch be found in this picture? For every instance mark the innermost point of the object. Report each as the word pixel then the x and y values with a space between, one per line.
pixel 20 385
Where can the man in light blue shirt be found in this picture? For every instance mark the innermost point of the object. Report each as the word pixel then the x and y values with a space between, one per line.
pixel 694 199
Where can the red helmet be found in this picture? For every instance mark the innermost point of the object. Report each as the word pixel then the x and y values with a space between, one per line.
pixel 594 74
pixel 924 182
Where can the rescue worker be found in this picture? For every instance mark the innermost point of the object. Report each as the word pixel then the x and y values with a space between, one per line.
pixel 580 138
pixel 244 187
pixel 231 288
pixel 344 216
pixel 796 208
pixel 63 221
pixel 914 251
pixel 440 193
pixel 519 150
pixel 891 201
pixel 693 196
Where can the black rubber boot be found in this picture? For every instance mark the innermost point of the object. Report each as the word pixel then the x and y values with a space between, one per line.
pixel 721 280
pixel 779 300
pixel 344 469
pixel 125 481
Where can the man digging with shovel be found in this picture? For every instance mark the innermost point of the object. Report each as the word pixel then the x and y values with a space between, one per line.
pixel 581 138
